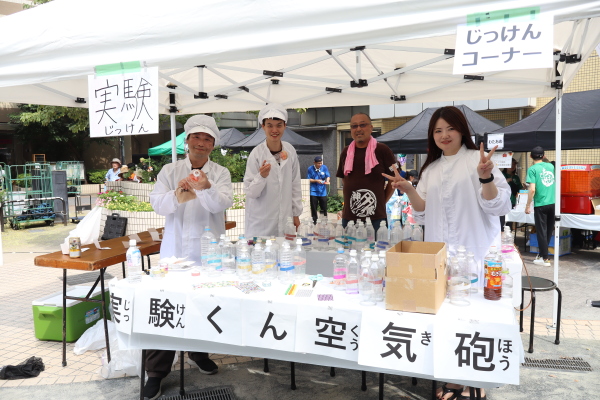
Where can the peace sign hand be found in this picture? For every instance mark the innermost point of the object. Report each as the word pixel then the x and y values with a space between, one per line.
pixel 397 181
pixel 484 169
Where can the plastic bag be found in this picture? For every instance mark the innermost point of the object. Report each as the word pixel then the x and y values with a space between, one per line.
pixel 29 368
pixel 93 338
pixel 88 228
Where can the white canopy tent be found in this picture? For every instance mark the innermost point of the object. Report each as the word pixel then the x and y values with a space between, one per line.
pixel 237 55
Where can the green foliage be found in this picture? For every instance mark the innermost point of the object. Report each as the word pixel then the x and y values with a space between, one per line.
pixel 35 3
pixel 23 180
pixel 234 162
pixel 148 168
pixel 96 175
pixel 239 202
pixel 335 203
pixel 118 201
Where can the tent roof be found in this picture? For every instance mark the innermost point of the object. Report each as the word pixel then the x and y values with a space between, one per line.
pixel 312 44
pixel 411 137
pixel 580 125
pixel 300 143
pixel 228 136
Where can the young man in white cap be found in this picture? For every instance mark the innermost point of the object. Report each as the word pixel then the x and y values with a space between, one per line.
pixel 185 222
pixel 113 173
pixel 272 179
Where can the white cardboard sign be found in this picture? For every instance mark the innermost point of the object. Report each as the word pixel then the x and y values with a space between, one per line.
pixel 160 312
pixel 124 104
pixel 269 325
pixel 328 331
pixel 502 159
pixel 495 139
pixel 121 302
pixel 214 318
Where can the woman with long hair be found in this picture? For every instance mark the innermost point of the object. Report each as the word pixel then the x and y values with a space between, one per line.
pixel 459 198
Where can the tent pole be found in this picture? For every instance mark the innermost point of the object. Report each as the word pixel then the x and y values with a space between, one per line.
pixel 173 111
pixel 557 173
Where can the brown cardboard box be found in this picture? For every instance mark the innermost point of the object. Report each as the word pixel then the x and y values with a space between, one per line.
pixel 595 204
pixel 416 277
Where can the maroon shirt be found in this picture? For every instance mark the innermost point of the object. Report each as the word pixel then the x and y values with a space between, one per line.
pixel 364 195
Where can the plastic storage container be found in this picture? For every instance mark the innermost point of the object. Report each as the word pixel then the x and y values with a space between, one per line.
pixel 564 246
pixel 81 315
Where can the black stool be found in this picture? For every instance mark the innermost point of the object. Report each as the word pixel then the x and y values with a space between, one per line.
pixel 538 285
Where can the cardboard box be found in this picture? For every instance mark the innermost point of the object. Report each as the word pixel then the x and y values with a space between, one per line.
pixel 596 206
pixel 416 277
pixel 564 245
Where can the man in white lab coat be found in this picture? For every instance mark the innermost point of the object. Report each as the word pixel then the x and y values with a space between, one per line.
pixel 272 179
pixel 211 193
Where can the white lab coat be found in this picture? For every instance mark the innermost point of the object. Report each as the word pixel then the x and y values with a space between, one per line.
pixel 184 224
pixel 271 200
pixel 455 211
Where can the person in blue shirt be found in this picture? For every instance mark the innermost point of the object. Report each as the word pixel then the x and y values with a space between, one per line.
pixel 113 173
pixel 319 177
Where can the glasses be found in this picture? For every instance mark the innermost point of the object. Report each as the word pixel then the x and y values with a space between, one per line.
pixel 362 126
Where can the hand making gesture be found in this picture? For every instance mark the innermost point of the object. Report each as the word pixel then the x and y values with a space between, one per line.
pixel 397 181
pixel 265 168
pixel 484 169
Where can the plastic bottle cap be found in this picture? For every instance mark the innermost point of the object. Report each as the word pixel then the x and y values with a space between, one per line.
pixel 213 241
pixel 353 252
pixel 132 242
pixel 298 241
pixel 340 250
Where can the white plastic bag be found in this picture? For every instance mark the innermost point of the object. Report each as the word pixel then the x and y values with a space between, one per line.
pixel 93 338
pixel 88 228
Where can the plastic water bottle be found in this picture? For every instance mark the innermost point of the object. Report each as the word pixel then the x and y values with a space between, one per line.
pixel 459 284
pixel 214 259
pixel 323 235
pixel 381 266
pixel 352 274
pixel 340 241
pixel 270 263
pixel 134 263
pixel 290 229
pixel 286 266
pixel 365 283
pixel 507 284
pixel 473 272
pixel 370 233
pixel 303 234
pixel 377 278
pixel 361 236
pixel 299 260
pixel 508 244
pixel 417 233
pixel 228 257
pixel 407 232
pixel 205 240
pixel 396 214
pixel 340 269
pixel 258 262
pixel 350 234
pixel 492 265
pixel 396 234
pixel 383 237
pixel 244 264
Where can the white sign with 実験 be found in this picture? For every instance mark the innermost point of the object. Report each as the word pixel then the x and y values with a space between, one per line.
pixel 269 325
pixel 477 352
pixel 213 318
pixel 160 312
pixel 121 302
pixel 501 45
pixel 398 341
pixel 328 331
pixel 124 103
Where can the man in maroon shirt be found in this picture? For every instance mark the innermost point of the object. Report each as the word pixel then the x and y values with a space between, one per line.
pixel 365 189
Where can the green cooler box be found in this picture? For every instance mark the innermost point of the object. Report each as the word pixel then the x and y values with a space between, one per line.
pixel 81 315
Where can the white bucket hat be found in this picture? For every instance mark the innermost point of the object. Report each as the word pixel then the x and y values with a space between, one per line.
pixel 202 123
pixel 272 110
pixel 116 160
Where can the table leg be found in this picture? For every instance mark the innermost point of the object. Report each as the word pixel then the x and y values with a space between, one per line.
pixel 64 318
pixel 266 366
pixel 521 312
pixel 381 378
pixel 104 310
pixel 363 386
pixel 332 372
pixel 414 381
pixel 532 322
pixel 433 390
pixel 181 389
pixel 293 375
pixel 557 341
pixel 143 375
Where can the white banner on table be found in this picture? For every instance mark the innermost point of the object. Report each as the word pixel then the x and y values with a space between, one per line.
pixel 398 341
pixel 269 325
pixel 328 331
pixel 502 159
pixel 214 318
pixel 504 45
pixel 124 104
pixel 477 352
pixel 160 312
pixel 121 302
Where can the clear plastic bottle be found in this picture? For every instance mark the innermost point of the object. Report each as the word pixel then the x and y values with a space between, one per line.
pixel 310 233
pixel 323 235
pixel 286 266
pixel 395 234
pixel 377 278
pixel 134 263
pixel 258 262
pixel 352 274
pixel 473 272
pixel 492 264
pixel 383 235
pixel 270 264
pixel 370 233
pixel 339 235
pixel 407 232
pixel 508 244
pixel 350 234
pixel 299 260
pixel 361 236
pixel 303 234
pixel 459 284
pixel 340 270
pixel 205 240
pixel 396 212
pixel 365 284
pixel 290 229
pixel 507 283
pixel 215 268
pixel 228 257
pixel 417 233
pixel 382 268
pixel 244 263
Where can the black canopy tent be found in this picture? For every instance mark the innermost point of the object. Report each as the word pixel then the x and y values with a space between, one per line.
pixel 580 125
pixel 411 137
pixel 300 143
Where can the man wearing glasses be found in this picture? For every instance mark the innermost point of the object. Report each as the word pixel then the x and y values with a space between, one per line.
pixel 360 167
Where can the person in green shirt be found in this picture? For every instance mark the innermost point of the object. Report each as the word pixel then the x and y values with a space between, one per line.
pixel 540 178
pixel 513 181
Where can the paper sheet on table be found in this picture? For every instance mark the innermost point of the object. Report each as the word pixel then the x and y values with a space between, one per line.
pixel 136 237
pixel 97 244
pixel 154 234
